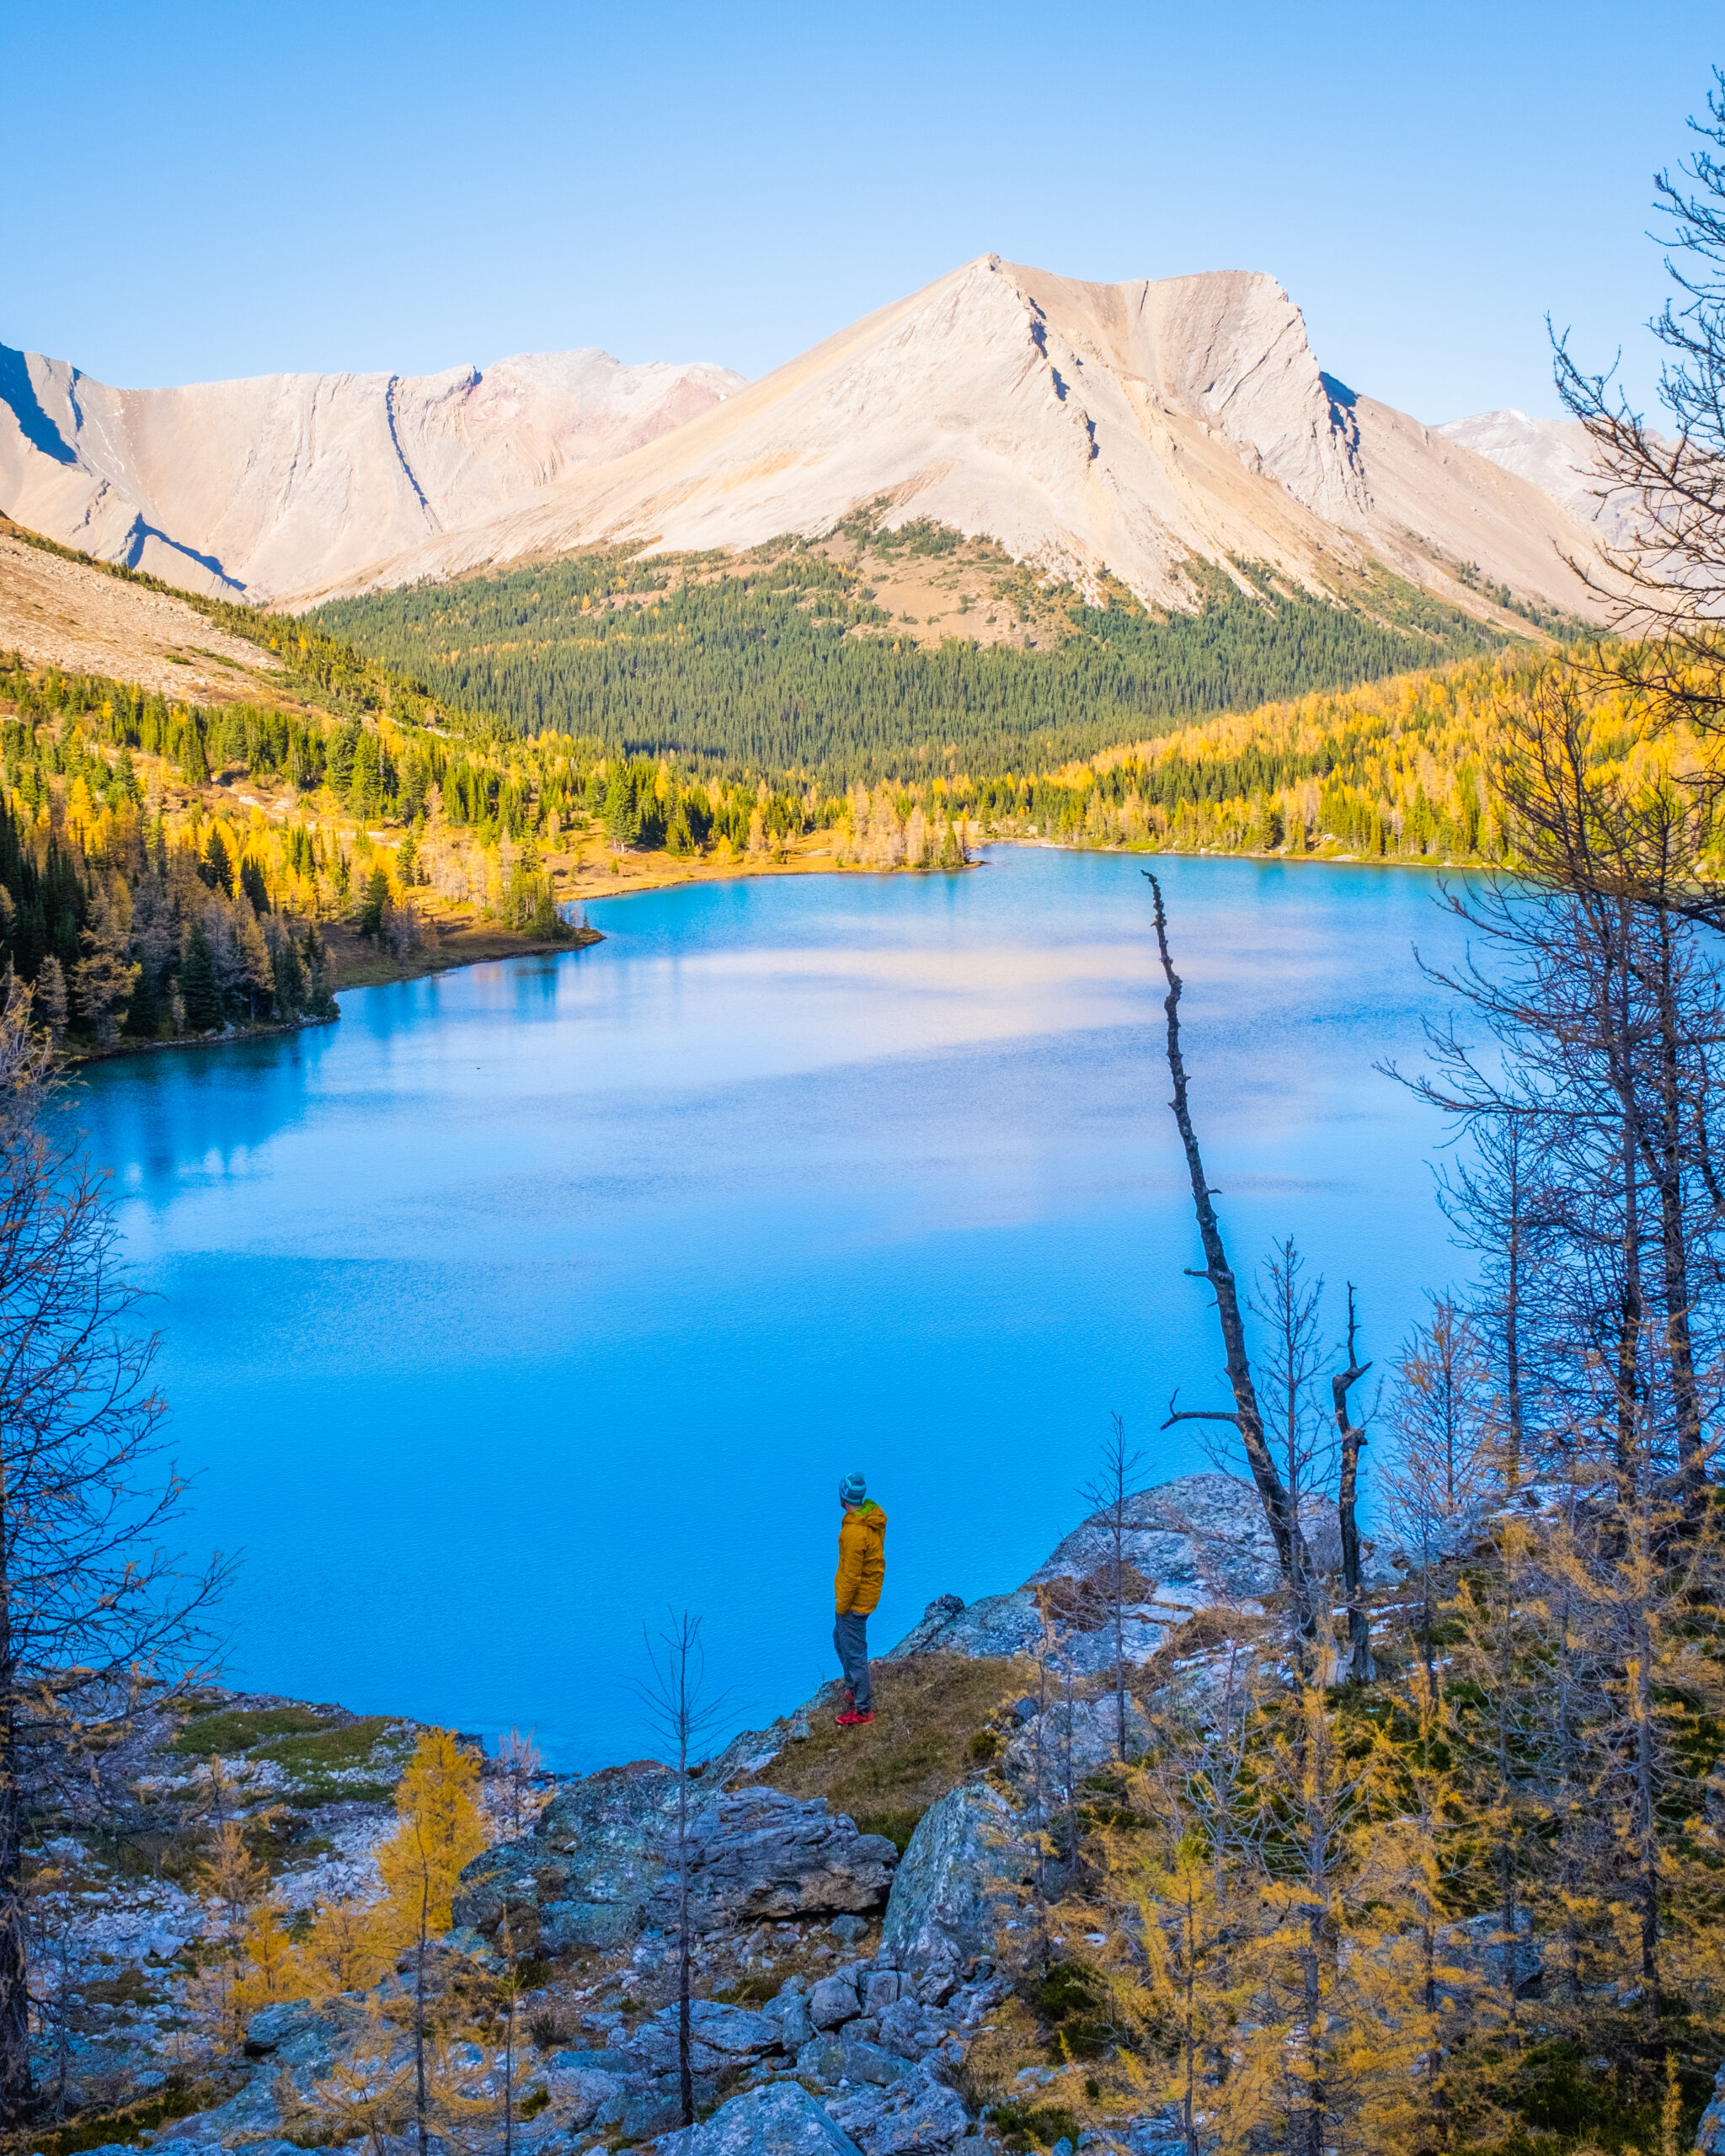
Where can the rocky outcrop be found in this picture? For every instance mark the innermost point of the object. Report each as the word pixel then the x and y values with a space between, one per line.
pixel 1199 1539
pixel 1189 1545
pixel 782 2119
pixel 1710 2134
pixel 956 1887
pixel 598 1865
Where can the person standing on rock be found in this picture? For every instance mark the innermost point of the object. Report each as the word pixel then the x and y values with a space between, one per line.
pixel 856 1591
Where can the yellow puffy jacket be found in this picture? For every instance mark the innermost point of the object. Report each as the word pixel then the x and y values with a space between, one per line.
pixel 862 1570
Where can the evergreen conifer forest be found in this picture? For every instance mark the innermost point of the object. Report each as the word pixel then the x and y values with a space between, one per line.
pixel 786 661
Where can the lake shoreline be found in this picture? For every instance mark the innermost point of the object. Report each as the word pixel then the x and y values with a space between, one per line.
pixel 679 875
pixel 356 968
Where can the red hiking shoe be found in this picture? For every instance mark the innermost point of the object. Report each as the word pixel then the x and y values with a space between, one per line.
pixel 851 1719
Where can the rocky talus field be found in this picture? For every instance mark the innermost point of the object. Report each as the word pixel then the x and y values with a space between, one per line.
pixel 848 1979
pixel 854 1898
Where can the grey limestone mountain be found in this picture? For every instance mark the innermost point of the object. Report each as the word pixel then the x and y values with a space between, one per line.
pixel 1097 431
pixel 262 486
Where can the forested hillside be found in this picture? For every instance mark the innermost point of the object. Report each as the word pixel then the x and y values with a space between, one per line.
pixel 786 661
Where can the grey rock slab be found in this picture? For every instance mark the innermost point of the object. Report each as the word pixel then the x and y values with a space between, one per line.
pixel 934 1619
pixel 720 2034
pixel 654 2107
pixel 789 2012
pixel 880 1990
pixel 599 1862
pixel 602 1925
pixel 576 2088
pixel 934 2118
pixel 822 2059
pixel 956 1887
pixel 757 1853
pixel 997 1624
pixel 834 2000
pixel 871 2062
pixel 911 2029
pixel 780 2120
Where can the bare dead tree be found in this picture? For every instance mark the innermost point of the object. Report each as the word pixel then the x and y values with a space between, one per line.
pixel 684 1714
pixel 1109 1495
pixel 1446 1463
pixel 1288 1307
pixel 1494 1200
pixel 1351 1437
pixel 1285 1532
pixel 93 1609
pixel 1665 582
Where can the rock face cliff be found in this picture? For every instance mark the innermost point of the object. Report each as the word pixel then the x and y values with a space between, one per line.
pixel 1096 430
pixel 265 485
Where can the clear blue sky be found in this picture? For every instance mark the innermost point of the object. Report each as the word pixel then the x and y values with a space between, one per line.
pixel 200 190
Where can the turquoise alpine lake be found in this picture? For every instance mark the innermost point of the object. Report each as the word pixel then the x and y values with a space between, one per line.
pixel 533 1301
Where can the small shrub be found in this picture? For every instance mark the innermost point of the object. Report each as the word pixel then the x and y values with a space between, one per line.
pixel 177 2097
pixel 130 1987
pixel 897 1826
pixel 545 2029
pixel 749 1991
pixel 1070 1996
pixel 1021 2128
pixel 535 2101
pixel 985 1745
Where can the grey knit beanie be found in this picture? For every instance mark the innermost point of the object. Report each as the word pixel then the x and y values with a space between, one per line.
pixel 852 1489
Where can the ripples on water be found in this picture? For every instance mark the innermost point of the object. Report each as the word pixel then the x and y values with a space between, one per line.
pixel 534 1297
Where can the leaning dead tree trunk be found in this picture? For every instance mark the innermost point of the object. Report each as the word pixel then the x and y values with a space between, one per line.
pixel 1360 1666
pixel 1291 1553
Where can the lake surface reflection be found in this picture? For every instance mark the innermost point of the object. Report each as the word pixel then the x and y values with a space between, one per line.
pixel 532 1299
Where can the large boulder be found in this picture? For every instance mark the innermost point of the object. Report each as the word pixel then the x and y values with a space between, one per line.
pixel 781 2119
pixel 600 1862
pixel 720 2036
pixel 758 1854
pixel 598 1846
pixel 578 2090
pixel 917 2114
pixel 1198 1540
pixel 956 1886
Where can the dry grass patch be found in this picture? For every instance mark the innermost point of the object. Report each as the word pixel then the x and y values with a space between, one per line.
pixel 930 1709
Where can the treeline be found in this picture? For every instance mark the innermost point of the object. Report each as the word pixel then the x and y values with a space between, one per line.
pixel 1393 771
pixel 135 919
pixel 788 664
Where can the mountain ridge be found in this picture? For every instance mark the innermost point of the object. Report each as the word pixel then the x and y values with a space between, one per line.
pixel 1098 432
pixel 228 488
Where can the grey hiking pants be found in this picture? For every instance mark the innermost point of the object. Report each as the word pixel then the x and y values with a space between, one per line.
pixel 849 1637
